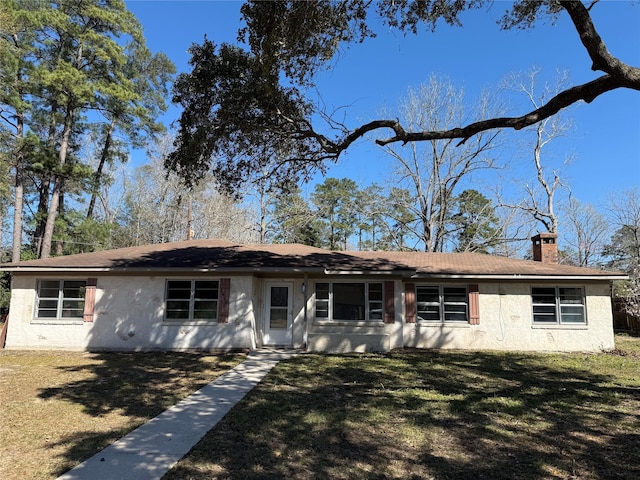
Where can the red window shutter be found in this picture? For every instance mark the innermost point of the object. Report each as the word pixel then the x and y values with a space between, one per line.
pixel 223 309
pixel 474 305
pixel 410 302
pixel 389 302
pixel 90 299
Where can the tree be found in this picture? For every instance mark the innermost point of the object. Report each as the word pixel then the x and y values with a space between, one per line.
pixel 370 211
pixel 158 209
pixel 624 249
pixel 258 97
pixel 135 121
pixel 540 199
pixel 82 65
pixel 227 90
pixel 398 220
pixel 5 188
pixel 334 200
pixel 267 192
pixel 435 171
pixel 586 230
pixel 154 208
pixel 217 215
pixel 16 37
pixel 475 223
pixel 65 63
pixel 293 220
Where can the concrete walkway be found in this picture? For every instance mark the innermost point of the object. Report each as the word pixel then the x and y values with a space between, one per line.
pixel 148 452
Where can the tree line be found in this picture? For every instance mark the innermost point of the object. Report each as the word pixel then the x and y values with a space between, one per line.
pixel 80 90
pixel 76 76
pixel 339 215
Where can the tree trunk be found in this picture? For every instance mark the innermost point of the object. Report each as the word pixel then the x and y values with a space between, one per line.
pixel 41 214
pixel 551 222
pixel 19 191
pixel 263 214
pixel 45 187
pixel 97 176
pixel 60 243
pixel 58 187
pixel 58 182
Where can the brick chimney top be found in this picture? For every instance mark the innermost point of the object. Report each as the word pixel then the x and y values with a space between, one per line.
pixel 545 247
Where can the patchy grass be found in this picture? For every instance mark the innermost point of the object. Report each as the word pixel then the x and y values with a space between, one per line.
pixel 433 415
pixel 59 408
pixel 407 414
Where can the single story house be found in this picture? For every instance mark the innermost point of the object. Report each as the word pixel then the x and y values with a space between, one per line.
pixel 216 295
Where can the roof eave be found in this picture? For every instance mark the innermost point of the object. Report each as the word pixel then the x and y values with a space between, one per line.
pixel 158 271
pixel 310 270
pixel 517 276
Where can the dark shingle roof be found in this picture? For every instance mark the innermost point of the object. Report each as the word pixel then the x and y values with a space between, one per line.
pixel 216 255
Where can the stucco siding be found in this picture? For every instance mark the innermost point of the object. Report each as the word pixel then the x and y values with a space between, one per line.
pixel 298 313
pixel 506 323
pixel 348 342
pixel 340 337
pixel 129 315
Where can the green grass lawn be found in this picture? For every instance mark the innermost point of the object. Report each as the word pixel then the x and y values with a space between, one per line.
pixel 433 414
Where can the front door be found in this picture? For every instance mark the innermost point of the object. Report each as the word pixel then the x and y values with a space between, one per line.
pixel 278 318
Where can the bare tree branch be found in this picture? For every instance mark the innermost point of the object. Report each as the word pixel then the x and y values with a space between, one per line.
pixel 617 75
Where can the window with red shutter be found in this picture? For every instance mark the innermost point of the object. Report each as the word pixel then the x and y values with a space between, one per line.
pixel 389 302
pixel 225 289
pixel 410 302
pixel 90 299
pixel 474 305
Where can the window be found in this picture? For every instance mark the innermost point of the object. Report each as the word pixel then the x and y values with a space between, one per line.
pixel 192 300
pixel 437 303
pixel 322 300
pixel 558 305
pixel 349 301
pixel 61 299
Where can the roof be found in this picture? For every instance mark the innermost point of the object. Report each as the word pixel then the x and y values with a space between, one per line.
pixel 221 256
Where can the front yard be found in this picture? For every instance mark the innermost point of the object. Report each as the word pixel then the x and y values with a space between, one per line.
pixel 407 414
pixel 59 408
pixel 433 415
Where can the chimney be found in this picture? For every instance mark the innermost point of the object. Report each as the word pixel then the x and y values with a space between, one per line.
pixel 545 248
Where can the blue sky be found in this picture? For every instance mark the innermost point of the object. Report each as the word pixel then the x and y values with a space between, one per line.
pixel 605 140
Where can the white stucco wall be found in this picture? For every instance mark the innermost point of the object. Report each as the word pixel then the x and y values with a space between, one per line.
pixel 298 332
pixel 506 323
pixel 129 316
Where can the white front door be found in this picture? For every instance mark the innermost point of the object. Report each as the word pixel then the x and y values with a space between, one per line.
pixel 278 318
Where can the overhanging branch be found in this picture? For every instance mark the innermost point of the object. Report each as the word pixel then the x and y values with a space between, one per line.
pixel 586 92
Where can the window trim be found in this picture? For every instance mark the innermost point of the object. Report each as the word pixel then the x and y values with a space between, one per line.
pixel 60 299
pixel 558 308
pixel 329 319
pixel 442 304
pixel 192 302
